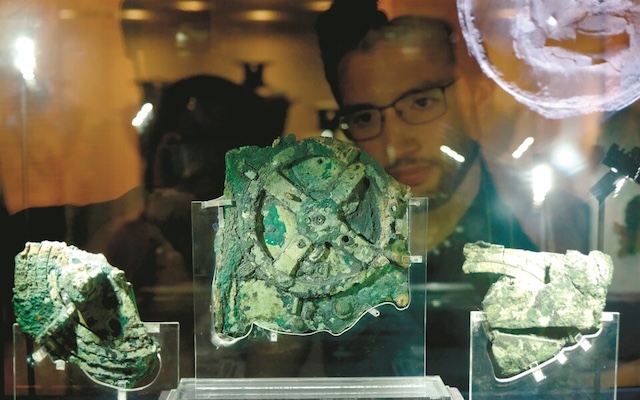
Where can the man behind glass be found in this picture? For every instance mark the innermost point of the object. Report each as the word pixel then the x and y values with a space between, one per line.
pixel 403 100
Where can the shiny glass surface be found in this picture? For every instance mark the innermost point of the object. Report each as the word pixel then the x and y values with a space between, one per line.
pixel 416 107
pixel 115 116
pixel 586 369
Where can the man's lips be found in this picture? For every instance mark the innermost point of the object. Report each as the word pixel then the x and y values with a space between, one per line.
pixel 411 175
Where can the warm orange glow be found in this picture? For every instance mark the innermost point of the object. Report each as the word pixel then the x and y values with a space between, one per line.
pixel 133 14
pixel 263 15
pixel 318 5
pixel 193 5
pixel 66 13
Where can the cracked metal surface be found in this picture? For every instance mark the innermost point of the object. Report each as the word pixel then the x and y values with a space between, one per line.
pixel 541 303
pixel 82 310
pixel 315 237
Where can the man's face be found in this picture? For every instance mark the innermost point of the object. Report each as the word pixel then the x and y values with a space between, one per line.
pixel 411 153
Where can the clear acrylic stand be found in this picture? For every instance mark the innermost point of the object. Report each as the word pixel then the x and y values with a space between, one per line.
pixel 363 362
pixel 426 387
pixel 586 370
pixel 37 376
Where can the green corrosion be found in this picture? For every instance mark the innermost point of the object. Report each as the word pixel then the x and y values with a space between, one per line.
pixel 275 229
pixel 312 240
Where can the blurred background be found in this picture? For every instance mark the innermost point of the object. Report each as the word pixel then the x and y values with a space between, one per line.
pixel 94 93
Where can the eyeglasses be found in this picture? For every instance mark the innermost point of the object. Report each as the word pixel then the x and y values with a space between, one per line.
pixel 415 107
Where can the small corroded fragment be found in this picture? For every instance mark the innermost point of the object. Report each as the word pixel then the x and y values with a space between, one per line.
pixel 541 303
pixel 315 236
pixel 82 310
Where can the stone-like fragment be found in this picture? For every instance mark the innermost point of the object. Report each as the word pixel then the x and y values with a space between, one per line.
pixel 541 302
pixel 82 310
pixel 316 235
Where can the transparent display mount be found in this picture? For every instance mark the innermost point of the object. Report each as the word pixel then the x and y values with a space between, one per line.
pixel 585 370
pixel 36 375
pixel 367 360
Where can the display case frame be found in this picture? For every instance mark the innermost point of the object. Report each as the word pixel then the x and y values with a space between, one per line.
pixel 223 372
pixel 36 376
pixel 584 370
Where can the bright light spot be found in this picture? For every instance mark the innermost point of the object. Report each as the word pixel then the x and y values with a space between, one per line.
pixel 552 21
pixel 319 5
pixel 142 115
pixel 566 157
pixel 263 15
pixel 524 146
pixel 181 39
pixel 614 170
pixel 327 133
pixel 25 59
pixel 192 5
pixel 619 184
pixel 452 153
pixel 541 181
pixel 134 14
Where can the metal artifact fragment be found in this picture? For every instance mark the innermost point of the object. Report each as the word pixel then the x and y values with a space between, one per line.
pixel 82 310
pixel 541 303
pixel 315 236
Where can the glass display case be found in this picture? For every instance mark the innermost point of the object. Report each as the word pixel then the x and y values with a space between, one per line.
pixel 380 355
pixel 586 369
pixel 37 376
pixel 519 121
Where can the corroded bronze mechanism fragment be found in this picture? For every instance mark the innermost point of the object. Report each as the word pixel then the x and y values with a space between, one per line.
pixel 541 303
pixel 316 235
pixel 82 310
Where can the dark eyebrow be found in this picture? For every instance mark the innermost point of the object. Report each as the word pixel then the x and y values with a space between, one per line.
pixel 428 86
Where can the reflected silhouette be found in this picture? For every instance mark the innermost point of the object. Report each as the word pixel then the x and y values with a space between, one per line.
pixel 196 121
pixel 370 63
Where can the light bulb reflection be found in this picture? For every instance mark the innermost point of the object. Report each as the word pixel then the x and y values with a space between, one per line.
pixel 25 60
pixel 524 146
pixel 541 182
pixel 142 115
pixel 619 184
pixel 452 153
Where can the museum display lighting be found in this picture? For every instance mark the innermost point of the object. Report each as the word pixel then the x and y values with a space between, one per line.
pixel 566 157
pixel 142 115
pixel 452 153
pixel 25 60
pixel 541 182
pixel 134 14
pixel 263 16
pixel 318 5
pixel 524 146
pixel 192 5
pixel 624 165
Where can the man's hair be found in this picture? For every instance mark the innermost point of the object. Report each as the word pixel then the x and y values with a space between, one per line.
pixel 359 25
pixel 340 29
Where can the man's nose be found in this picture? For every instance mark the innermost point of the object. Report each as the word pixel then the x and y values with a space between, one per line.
pixel 399 133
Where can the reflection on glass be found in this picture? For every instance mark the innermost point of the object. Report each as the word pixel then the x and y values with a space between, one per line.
pixel 559 58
